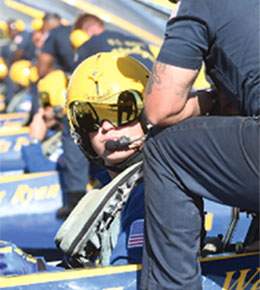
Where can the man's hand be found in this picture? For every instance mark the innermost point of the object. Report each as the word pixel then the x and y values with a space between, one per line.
pixel 38 127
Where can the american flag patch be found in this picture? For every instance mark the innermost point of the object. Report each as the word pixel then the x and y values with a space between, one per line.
pixel 136 235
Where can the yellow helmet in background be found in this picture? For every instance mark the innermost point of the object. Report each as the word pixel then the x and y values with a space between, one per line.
pixel 106 86
pixel 3 69
pixel 3 29
pixel 19 25
pixel 23 73
pixel 52 89
pixel 37 24
pixel 34 76
pixel 78 37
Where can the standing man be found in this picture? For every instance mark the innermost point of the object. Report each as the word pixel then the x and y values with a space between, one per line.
pixel 104 40
pixel 57 51
pixel 191 154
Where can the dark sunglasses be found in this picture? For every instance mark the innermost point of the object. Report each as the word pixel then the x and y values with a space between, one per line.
pixel 89 116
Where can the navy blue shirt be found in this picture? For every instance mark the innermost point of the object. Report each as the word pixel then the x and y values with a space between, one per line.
pixel 28 48
pixel 116 41
pixel 58 45
pixel 224 34
pixel 6 53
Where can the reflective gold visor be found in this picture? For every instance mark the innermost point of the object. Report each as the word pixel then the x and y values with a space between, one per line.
pixel 90 115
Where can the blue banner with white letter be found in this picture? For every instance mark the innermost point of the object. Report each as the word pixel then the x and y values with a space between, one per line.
pixel 29 193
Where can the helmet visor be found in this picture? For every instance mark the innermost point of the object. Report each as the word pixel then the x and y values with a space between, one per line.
pixel 90 115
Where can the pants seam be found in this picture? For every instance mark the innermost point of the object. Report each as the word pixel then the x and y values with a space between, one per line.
pixel 247 157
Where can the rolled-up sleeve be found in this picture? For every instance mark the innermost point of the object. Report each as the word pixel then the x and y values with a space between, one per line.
pixel 186 39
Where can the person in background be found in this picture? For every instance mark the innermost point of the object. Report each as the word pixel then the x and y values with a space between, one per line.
pixel 38 36
pixel 22 74
pixel 102 40
pixel 57 52
pixel 191 151
pixel 44 153
pixel 19 38
pixel 14 50
pixel 31 51
pixel 38 39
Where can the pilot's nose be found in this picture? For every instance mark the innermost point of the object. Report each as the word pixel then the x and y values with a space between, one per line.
pixel 107 126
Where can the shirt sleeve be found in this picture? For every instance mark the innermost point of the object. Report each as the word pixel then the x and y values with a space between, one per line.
pixel 49 45
pixel 187 37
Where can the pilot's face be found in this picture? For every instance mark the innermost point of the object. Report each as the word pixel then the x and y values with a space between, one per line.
pixel 108 132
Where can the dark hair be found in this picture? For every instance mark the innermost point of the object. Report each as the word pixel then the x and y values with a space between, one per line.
pixel 87 19
pixel 10 21
pixel 51 16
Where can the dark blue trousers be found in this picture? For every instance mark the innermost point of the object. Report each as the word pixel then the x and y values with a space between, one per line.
pixel 212 157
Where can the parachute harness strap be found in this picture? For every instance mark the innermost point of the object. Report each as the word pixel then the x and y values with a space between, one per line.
pixel 90 233
pixel 109 225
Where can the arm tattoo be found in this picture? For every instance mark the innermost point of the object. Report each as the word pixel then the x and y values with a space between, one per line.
pixel 155 77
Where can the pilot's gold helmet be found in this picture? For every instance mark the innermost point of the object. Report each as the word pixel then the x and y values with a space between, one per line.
pixel 106 86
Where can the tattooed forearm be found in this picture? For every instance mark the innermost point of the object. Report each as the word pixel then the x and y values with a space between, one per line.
pixel 155 77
